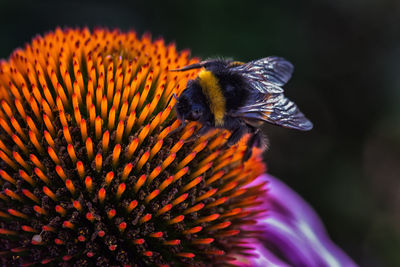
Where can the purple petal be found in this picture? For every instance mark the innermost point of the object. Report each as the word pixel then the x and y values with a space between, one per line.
pixel 262 257
pixel 293 231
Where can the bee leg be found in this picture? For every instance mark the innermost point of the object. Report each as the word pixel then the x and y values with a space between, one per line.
pixel 256 140
pixel 236 135
pixel 180 127
pixel 203 130
pixel 170 98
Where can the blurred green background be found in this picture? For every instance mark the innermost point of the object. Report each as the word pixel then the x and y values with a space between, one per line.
pixel 347 59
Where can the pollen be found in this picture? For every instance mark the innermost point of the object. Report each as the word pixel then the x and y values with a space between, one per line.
pixel 95 168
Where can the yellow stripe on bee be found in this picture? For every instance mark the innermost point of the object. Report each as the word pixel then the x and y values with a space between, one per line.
pixel 235 64
pixel 212 90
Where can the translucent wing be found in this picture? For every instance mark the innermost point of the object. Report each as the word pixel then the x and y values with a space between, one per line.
pixel 275 109
pixel 267 74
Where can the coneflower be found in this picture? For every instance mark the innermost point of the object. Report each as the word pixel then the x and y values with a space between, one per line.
pixel 92 169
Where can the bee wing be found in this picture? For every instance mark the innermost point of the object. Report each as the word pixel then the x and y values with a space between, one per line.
pixel 267 74
pixel 275 109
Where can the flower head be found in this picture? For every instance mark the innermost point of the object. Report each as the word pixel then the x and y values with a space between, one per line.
pixel 92 169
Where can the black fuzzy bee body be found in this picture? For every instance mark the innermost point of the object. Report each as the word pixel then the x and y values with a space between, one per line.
pixel 240 97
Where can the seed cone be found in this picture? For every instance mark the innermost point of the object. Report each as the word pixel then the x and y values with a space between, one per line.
pixel 92 171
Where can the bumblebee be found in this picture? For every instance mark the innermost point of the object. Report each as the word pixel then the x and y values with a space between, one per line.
pixel 240 97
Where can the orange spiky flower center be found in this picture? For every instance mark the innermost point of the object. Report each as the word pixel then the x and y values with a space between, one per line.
pixel 89 170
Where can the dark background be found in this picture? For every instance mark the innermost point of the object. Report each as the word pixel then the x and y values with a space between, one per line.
pixel 346 54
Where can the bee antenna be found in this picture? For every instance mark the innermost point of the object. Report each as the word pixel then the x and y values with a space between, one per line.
pixel 192 66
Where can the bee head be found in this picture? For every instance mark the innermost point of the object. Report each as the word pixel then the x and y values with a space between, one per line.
pixel 192 104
